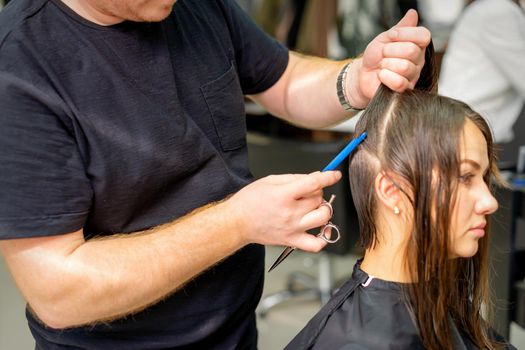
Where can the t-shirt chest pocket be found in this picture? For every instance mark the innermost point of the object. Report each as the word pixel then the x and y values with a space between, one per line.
pixel 225 102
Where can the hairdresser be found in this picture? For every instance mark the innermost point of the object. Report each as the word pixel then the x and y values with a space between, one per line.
pixel 128 215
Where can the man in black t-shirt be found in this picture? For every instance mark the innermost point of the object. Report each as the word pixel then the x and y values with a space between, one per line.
pixel 128 215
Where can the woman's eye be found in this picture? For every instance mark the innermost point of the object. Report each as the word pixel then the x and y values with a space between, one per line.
pixel 466 179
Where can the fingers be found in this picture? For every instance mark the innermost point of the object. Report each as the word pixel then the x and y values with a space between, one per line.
pixel 402 67
pixel 279 209
pixel 409 19
pixel 401 64
pixel 403 50
pixel 394 81
pixel 395 57
pixel 309 243
pixel 316 218
pixel 313 182
pixel 418 35
pixel 406 30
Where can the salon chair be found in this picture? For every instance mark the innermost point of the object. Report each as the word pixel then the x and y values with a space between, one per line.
pixel 274 155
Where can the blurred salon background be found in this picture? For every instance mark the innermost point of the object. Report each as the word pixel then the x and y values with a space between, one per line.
pixel 480 50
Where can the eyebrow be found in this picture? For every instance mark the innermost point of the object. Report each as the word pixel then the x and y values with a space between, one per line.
pixel 474 164
pixel 471 162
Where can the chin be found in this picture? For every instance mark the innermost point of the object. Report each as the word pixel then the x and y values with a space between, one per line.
pixel 466 251
pixel 156 14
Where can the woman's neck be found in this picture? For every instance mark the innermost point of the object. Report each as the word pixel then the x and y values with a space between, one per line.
pixel 386 262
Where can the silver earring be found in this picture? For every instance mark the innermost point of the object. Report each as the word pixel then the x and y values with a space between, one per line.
pixel 396 210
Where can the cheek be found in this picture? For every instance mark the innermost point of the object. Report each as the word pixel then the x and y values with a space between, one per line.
pixel 461 245
pixel 458 219
pixel 463 209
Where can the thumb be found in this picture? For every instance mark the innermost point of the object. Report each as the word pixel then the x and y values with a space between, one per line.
pixel 409 20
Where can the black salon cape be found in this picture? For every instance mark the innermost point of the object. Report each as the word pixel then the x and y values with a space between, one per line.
pixel 372 317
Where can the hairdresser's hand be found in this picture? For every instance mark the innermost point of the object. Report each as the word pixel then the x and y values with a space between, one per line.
pixel 279 209
pixel 394 58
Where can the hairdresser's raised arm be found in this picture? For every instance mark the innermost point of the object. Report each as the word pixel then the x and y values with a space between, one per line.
pixel 306 94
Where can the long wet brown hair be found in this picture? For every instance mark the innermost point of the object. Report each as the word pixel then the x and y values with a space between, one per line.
pixel 416 136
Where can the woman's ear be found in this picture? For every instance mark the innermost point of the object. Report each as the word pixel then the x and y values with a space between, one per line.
pixel 388 193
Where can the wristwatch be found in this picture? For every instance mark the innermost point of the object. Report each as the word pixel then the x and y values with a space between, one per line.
pixel 341 89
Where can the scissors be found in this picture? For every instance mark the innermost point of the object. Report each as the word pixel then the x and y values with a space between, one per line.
pixel 326 229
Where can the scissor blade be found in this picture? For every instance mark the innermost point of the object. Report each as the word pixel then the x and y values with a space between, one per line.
pixel 287 251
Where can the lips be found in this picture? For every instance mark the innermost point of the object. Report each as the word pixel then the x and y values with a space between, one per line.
pixel 479 229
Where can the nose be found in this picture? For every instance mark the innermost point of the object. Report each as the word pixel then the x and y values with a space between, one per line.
pixel 486 203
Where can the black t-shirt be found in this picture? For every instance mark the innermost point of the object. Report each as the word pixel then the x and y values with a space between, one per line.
pixel 118 129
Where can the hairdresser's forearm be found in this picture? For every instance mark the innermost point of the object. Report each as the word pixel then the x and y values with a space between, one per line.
pixel 306 94
pixel 68 281
pixel 101 279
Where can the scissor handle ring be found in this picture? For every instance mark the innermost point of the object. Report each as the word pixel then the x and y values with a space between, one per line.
pixel 323 236
pixel 328 204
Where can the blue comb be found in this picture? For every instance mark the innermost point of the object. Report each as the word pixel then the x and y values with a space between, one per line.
pixel 344 153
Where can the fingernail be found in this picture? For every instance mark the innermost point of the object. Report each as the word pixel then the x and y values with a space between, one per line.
pixel 393 34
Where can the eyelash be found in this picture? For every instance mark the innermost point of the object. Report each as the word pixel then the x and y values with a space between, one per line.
pixel 466 179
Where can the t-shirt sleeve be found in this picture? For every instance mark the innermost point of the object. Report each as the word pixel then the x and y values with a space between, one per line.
pixel 260 59
pixel 43 186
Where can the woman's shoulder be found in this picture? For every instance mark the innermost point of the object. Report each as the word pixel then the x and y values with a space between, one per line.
pixel 365 313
